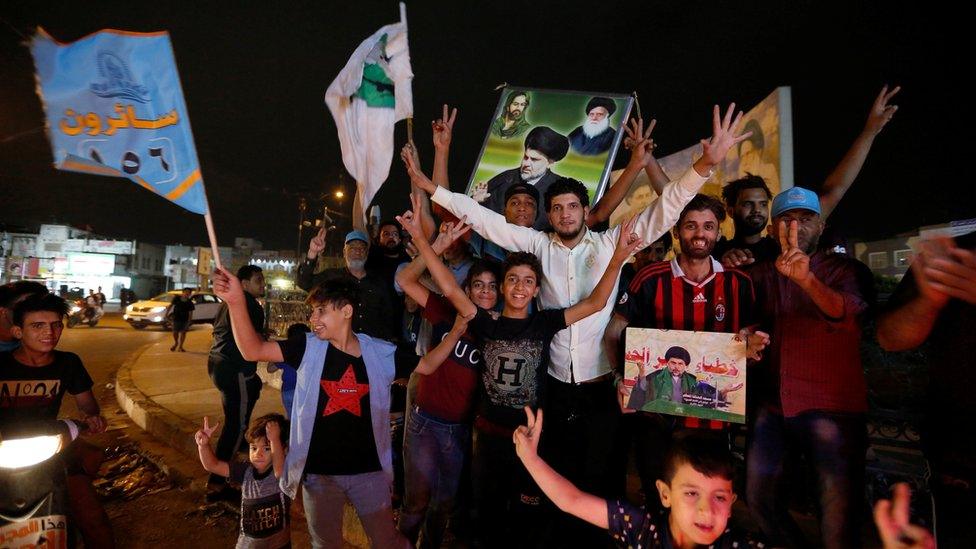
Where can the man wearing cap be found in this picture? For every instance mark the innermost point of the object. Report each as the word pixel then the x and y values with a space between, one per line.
pixel 374 315
pixel 595 136
pixel 809 394
pixel 543 148
pixel 521 208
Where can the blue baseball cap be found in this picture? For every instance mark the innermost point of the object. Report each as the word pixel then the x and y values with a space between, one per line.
pixel 796 198
pixel 356 235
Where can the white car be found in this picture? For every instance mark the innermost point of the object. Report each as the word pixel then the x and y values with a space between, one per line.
pixel 152 312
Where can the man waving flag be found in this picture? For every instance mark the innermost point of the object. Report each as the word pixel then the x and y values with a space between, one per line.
pixel 115 107
pixel 370 95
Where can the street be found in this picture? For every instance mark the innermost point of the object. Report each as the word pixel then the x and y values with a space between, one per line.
pixel 172 518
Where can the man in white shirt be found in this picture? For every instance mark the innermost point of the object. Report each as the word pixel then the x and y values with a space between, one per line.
pixel 582 409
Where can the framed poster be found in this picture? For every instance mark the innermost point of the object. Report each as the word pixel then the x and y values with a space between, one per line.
pixel 767 153
pixel 683 373
pixel 538 135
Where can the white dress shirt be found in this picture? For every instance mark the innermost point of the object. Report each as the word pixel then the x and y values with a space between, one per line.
pixel 576 353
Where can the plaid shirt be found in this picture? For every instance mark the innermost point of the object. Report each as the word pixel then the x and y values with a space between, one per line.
pixel 813 361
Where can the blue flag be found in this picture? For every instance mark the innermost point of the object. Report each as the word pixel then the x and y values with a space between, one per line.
pixel 114 106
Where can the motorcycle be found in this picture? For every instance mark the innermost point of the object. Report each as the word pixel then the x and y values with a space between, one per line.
pixel 33 488
pixel 83 313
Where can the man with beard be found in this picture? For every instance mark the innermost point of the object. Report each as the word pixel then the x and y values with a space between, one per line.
pixel 543 148
pixel 595 136
pixel 747 199
pixel 747 202
pixel 388 253
pixel 809 394
pixel 581 405
pixel 511 122
pixel 374 313
pixel 693 291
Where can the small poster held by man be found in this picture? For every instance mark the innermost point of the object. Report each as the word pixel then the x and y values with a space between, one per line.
pixel 683 373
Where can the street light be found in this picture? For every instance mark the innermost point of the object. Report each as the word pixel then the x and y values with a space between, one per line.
pixel 339 194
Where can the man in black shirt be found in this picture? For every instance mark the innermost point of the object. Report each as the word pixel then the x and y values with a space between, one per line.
pixel 375 312
pixel 235 378
pixel 180 312
pixel 747 202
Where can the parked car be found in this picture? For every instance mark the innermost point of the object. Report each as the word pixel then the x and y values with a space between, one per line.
pixel 152 312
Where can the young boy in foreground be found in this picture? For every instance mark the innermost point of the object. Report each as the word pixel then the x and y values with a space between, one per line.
pixel 264 508
pixel 340 430
pixel 696 493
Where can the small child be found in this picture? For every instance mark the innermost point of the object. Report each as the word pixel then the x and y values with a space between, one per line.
pixel 696 493
pixel 264 507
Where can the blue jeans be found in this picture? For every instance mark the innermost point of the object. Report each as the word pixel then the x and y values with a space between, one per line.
pixel 369 493
pixel 433 455
pixel 834 445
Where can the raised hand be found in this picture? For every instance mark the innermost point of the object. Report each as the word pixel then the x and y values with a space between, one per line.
pixel 443 128
pixel 412 162
pixel 449 233
pixel 639 142
pixel 628 241
pixel 793 263
pixel 723 137
pixel 227 286
pixel 202 436
pixel 479 193
pixel 273 431
pixel 526 437
pixel 410 221
pixel 892 517
pixel 881 112
pixel 953 274
pixel 317 245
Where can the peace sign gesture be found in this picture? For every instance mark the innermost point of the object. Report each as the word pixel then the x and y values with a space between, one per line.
pixel 793 263
pixel 881 112
pixel 443 128
pixel 526 437
pixel 202 436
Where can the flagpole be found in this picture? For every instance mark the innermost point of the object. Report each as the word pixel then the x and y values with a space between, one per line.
pixel 208 221
pixel 403 20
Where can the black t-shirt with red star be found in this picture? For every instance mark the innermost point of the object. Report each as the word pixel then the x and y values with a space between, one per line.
pixel 342 438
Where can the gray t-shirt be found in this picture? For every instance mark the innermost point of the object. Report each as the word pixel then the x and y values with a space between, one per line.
pixel 264 509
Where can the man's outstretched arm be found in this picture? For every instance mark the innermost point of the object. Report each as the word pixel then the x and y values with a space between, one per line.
pixel 841 179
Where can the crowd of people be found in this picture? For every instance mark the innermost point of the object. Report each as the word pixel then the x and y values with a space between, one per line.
pixel 432 359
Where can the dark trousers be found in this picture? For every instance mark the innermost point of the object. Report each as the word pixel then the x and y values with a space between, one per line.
pixel 580 442
pixel 834 446
pixel 510 505
pixel 238 394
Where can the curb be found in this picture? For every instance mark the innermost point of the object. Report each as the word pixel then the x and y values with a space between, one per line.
pixel 151 417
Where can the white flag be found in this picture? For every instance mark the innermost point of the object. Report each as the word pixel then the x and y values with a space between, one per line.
pixel 369 96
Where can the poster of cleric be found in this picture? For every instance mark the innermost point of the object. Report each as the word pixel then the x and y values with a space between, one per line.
pixel 682 373
pixel 537 136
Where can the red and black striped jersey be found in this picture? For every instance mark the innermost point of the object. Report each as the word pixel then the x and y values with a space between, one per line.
pixel 659 296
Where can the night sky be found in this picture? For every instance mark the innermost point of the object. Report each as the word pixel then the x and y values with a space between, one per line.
pixel 254 79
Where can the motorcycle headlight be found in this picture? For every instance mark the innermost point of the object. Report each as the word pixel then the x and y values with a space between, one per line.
pixel 75 309
pixel 158 309
pixel 24 452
